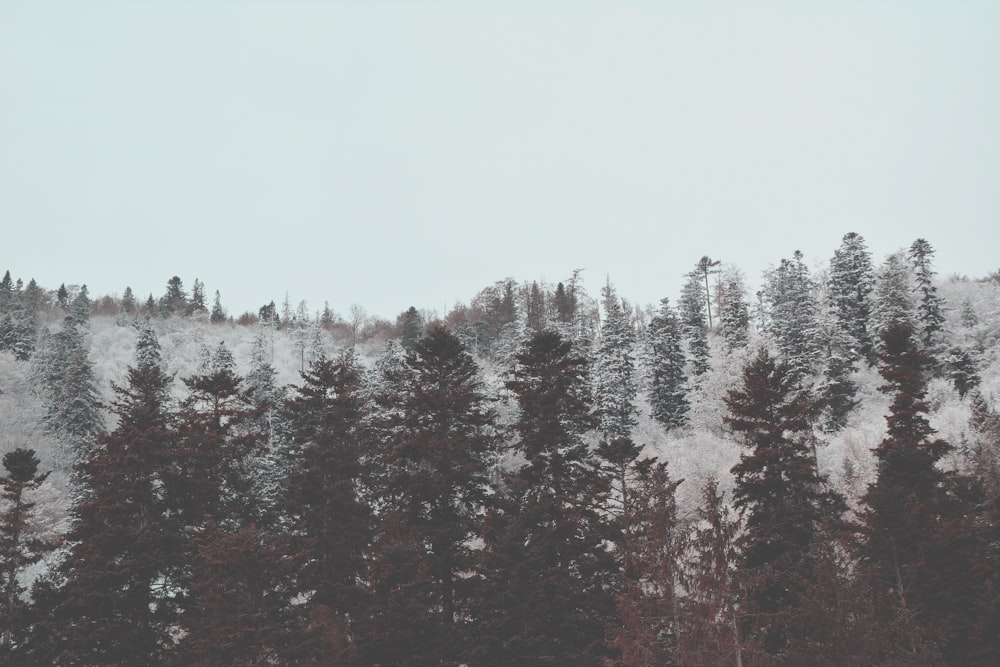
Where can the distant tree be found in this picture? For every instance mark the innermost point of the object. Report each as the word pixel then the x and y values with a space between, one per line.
pixel 850 284
pixel 706 265
pixel 929 315
pixel 968 315
pixel 614 369
pixel 892 303
pixel 693 325
pixel 128 304
pixel 79 309
pixel 534 308
pixel 789 292
pixel 412 329
pixel 565 308
pixel 6 292
pixel 19 547
pixel 663 357
pixel 734 312
pixel 218 315
pixel 62 297
pixel 175 300
pixel 780 495
pixel 268 314
pixel 197 303
pixel 961 370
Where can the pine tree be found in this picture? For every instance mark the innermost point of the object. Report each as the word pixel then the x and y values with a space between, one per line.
pixel 780 495
pixel 919 544
pixel 734 312
pixel 435 487
pixel 614 370
pixel 218 315
pixel 892 303
pixel 929 316
pixel 534 308
pixel 850 284
pixel 19 548
pixel 197 303
pixel 692 315
pixel 663 357
pixel 648 546
pixel 549 571
pixel 331 524
pixel 175 301
pixel 794 325
pixel 116 604
pixel 961 370
pixel 412 329
pixel 6 292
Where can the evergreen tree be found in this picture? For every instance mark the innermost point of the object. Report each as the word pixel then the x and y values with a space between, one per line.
pixel 850 284
pixel 549 572
pixel 919 544
pixel 128 304
pixel 6 292
pixel 734 312
pixel 116 604
pixel 534 308
pixel 929 315
pixel 412 329
pixel 62 297
pixel 663 357
pixel 648 546
pixel 892 303
pixel 780 495
pixel 614 370
pixel 218 315
pixel 794 325
pixel 692 315
pixel 19 548
pixel 197 303
pixel 706 265
pixel 565 307
pixel 435 488
pixel 331 524
pixel 961 370
pixel 79 309
pixel 174 301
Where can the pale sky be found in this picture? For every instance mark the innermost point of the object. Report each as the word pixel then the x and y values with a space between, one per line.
pixel 398 153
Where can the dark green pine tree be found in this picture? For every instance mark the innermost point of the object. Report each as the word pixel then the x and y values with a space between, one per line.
pixel 116 603
pixel 925 558
pixel 550 576
pixel 218 314
pixel 534 308
pixel 849 288
pixel 6 292
pixel 663 357
pixel 784 504
pixel 331 524
pixel 613 370
pixel 961 370
pixel 564 304
pixel 175 300
pixel 19 549
pixel 433 487
pixel 929 316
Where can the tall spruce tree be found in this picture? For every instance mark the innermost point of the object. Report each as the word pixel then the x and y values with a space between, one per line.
pixel 549 573
pixel 849 288
pixel 920 547
pixel 693 324
pixel 789 292
pixel 116 603
pixel 929 315
pixel 614 370
pixel 892 301
pixel 783 502
pixel 434 488
pixel 734 312
pixel 331 524
pixel 663 357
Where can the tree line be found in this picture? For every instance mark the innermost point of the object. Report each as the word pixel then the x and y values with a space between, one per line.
pixel 405 514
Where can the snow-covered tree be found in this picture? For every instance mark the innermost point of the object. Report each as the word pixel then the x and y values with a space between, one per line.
pixel 734 311
pixel 693 324
pixel 929 315
pixel 851 281
pixel 613 374
pixel 663 358
pixel 794 326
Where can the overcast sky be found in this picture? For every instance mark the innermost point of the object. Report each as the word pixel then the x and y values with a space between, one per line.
pixel 398 153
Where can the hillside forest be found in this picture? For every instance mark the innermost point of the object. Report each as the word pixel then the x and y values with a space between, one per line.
pixel 805 474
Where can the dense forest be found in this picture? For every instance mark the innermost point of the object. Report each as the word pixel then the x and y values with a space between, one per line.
pixel 804 475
